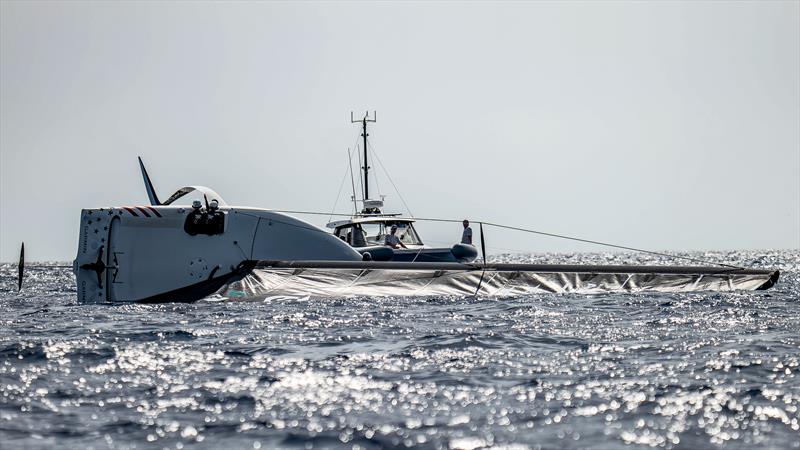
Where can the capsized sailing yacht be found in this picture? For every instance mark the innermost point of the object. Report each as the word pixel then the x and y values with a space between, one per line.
pixel 194 245
pixel 366 231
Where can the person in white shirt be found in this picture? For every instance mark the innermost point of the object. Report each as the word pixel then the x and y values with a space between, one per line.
pixel 466 236
pixel 392 240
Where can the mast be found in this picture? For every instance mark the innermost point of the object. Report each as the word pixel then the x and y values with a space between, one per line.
pixel 364 134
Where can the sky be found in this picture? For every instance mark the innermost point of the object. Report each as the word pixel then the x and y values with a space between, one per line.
pixel 659 125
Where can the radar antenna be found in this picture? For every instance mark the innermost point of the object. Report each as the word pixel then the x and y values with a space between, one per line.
pixel 366 167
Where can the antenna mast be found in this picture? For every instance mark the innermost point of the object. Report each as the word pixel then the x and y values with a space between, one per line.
pixel 364 134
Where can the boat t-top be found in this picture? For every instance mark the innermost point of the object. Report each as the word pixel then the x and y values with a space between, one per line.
pixel 366 231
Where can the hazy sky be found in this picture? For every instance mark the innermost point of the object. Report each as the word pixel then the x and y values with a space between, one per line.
pixel 664 125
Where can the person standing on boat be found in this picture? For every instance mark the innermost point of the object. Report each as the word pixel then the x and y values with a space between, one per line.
pixel 392 240
pixel 466 236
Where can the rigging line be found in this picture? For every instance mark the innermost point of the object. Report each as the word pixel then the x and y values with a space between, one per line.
pixel 244 254
pixel 375 154
pixel 490 247
pixel 352 183
pixel 338 194
pixel 560 236
pixel 360 181
pixel 377 184
pixel 588 241
pixel 483 244
pixel 418 252
pixel 483 254
pixel 310 213
pixel 311 228
pixel 606 244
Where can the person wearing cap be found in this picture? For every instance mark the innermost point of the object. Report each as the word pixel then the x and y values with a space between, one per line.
pixel 466 236
pixel 216 220
pixel 195 220
pixel 392 240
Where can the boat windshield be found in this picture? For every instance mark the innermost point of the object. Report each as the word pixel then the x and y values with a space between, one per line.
pixel 374 233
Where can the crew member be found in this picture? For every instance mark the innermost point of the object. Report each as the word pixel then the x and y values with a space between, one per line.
pixel 195 220
pixel 356 237
pixel 466 236
pixel 392 240
pixel 216 219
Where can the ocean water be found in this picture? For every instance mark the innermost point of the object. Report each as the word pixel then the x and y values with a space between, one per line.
pixel 676 371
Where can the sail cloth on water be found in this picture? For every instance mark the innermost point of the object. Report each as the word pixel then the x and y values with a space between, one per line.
pixel 339 279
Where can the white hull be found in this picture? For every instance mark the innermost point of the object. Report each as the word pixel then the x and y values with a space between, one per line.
pixel 132 254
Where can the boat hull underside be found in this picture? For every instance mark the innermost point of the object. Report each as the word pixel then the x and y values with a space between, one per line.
pixel 326 282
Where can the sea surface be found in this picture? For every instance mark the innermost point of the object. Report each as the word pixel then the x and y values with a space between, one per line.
pixel 552 371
